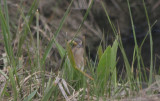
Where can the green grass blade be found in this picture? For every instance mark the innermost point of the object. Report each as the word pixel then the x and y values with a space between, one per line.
pixel 31 15
pixel 30 96
pixel 48 92
pixel 6 14
pixel 38 46
pixel 49 47
pixel 100 52
pixel 103 68
pixel 13 83
pixel 114 62
pixel 144 39
pixel 127 65
pixel 84 18
pixel 1 72
pixel 135 41
pixel 6 37
pixel 103 71
pixel 151 45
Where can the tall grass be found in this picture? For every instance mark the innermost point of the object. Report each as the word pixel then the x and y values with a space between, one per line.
pixel 127 65
pixel 97 82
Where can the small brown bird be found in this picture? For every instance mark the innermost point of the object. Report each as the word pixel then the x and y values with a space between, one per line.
pixel 78 52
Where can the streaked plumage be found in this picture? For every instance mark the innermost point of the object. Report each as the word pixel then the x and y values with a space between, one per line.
pixel 78 52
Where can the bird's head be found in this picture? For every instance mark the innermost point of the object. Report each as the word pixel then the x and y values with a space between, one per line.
pixel 75 43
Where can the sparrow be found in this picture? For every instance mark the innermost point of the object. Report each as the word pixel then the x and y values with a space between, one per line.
pixel 78 52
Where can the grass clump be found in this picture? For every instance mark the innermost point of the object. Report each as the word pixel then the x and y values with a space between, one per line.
pixel 97 82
